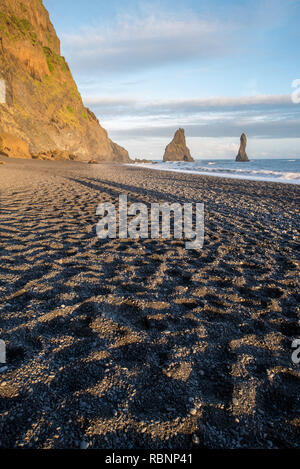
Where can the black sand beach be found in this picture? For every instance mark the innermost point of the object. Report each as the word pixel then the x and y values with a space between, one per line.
pixel 144 344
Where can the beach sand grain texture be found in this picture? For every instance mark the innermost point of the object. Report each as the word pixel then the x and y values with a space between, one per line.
pixel 144 344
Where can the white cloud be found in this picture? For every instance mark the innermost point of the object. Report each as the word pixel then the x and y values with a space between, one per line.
pixel 219 128
pixel 138 42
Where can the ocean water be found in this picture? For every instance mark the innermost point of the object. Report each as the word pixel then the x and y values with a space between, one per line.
pixel 277 170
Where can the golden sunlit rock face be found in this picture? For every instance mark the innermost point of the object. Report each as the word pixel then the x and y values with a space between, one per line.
pixel 177 149
pixel 43 106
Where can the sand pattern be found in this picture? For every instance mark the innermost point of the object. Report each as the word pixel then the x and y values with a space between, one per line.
pixel 144 344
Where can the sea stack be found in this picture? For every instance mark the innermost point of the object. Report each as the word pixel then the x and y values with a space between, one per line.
pixel 177 149
pixel 242 155
pixel 41 110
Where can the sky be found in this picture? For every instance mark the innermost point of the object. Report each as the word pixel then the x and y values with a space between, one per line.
pixel 217 68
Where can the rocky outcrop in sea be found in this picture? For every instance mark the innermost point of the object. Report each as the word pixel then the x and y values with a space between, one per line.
pixel 177 149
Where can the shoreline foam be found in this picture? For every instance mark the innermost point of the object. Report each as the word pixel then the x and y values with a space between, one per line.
pixel 240 171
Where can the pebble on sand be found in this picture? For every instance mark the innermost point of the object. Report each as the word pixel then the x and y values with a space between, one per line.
pixel 84 445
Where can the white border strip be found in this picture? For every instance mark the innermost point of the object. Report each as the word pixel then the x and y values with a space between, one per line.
pixel 2 92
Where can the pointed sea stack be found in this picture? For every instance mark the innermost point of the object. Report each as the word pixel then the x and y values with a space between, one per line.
pixel 177 149
pixel 242 155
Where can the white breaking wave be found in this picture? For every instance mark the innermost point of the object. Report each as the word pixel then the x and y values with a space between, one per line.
pixel 258 170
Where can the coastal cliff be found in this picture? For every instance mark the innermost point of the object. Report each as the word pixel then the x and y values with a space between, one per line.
pixel 43 107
